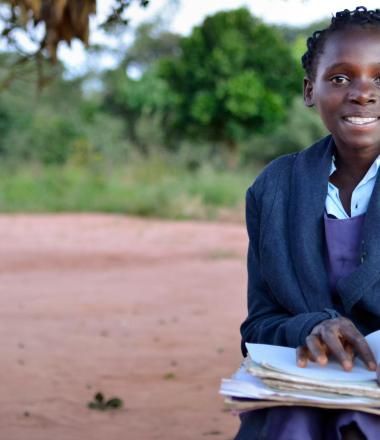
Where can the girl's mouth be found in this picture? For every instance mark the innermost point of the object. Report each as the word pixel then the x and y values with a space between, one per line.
pixel 358 120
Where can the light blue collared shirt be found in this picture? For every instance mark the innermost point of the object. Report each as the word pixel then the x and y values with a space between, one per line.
pixel 360 196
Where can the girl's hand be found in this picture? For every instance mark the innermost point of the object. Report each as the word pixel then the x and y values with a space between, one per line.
pixel 338 338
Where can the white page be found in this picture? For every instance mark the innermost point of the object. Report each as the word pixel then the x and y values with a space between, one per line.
pixel 243 384
pixel 373 340
pixel 284 359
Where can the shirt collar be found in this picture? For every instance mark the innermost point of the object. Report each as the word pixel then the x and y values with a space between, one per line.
pixel 372 171
pixel 333 167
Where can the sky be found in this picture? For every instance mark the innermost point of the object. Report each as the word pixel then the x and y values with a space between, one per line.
pixel 190 13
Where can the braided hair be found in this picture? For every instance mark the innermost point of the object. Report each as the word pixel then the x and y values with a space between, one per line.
pixel 342 20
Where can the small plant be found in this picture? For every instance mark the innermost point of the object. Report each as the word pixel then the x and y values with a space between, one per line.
pixel 169 376
pixel 101 404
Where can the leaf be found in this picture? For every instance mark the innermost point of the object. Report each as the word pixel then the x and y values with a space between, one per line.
pixel 93 405
pixel 100 404
pixel 114 402
pixel 169 376
pixel 99 397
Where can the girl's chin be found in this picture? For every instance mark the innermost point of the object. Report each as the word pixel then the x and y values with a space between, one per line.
pixel 358 141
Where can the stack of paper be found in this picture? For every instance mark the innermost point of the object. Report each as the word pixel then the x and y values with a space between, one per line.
pixel 269 377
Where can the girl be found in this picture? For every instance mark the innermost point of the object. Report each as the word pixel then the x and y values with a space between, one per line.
pixel 313 221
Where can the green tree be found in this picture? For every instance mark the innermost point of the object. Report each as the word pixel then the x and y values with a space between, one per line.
pixel 143 102
pixel 301 128
pixel 137 100
pixel 151 42
pixel 57 125
pixel 40 127
pixel 296 36
pixel 233 76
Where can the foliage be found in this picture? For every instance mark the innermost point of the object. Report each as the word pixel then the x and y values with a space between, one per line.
pixel 57 126
pixel 100 403
pixel 151 144
pixel 226 81
pixel 302 128
pixel 291 33
pixel 151 42
pixel 47 23
pixel 136 100
pixel 156 187
pixel 143 103
pixel 297 36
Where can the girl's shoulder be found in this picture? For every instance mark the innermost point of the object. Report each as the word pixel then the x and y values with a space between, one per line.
pixel 278 172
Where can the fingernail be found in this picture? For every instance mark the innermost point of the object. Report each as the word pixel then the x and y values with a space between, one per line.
pixel 372 366
pixel 347 365
pixel 322 360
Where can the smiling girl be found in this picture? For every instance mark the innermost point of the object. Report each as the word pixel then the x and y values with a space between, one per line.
pixel 313 221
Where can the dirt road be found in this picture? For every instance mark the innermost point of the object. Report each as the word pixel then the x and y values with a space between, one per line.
pixel 144 310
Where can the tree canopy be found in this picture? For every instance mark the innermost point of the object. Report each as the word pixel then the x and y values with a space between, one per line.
pixel 225 91
pixel 234 75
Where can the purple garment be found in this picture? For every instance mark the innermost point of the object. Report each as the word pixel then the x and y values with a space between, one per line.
pixel 343 237
pixel 303 423
pixel 299 423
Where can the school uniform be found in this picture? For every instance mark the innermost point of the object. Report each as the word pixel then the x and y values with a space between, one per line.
pixel 300 273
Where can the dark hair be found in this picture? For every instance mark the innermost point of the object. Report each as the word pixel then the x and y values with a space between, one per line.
pixel 342 20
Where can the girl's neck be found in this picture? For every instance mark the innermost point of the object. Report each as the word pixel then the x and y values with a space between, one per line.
pixel 354 165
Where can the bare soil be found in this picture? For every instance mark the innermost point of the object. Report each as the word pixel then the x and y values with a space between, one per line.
pixel 145 310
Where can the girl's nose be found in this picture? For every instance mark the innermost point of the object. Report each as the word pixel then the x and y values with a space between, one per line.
pixel 364 93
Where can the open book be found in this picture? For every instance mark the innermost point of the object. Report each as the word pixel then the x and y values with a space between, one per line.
pixel 269 376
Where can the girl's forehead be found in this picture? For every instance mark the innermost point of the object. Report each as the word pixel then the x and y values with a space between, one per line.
pixel 354 44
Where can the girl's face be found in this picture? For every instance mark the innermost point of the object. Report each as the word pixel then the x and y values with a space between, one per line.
pixel 346 88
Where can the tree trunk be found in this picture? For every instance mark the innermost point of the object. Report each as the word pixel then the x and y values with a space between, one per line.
pixel 232 154
pixel 133 136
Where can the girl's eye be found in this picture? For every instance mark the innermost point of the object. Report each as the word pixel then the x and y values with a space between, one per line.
pixel 377 80
pixel 340 80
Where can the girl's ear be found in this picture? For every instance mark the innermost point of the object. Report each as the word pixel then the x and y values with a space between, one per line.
pixel 308 95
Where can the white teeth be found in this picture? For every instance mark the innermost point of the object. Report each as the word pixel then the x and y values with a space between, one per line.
pixel 359 121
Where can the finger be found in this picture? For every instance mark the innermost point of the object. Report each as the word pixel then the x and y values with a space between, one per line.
pixel 317 348
pixel 302 355
pixel 361 347
pixel 349 349
pixel 335 345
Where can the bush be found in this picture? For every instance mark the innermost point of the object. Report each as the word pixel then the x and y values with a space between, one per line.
pixel 302 128
pixel 157 187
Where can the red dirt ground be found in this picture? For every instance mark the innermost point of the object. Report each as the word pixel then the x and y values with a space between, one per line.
pixel 145 310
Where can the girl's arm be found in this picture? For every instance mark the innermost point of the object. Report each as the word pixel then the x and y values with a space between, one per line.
pixel 268 322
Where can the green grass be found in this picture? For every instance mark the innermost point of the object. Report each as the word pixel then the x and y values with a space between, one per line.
pixel 153 187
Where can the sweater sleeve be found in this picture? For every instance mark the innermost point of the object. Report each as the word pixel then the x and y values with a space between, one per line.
pixel 268 322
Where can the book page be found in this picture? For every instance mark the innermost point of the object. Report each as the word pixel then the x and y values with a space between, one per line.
pixel 244 384
pixel 373 340
pixel 283 359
